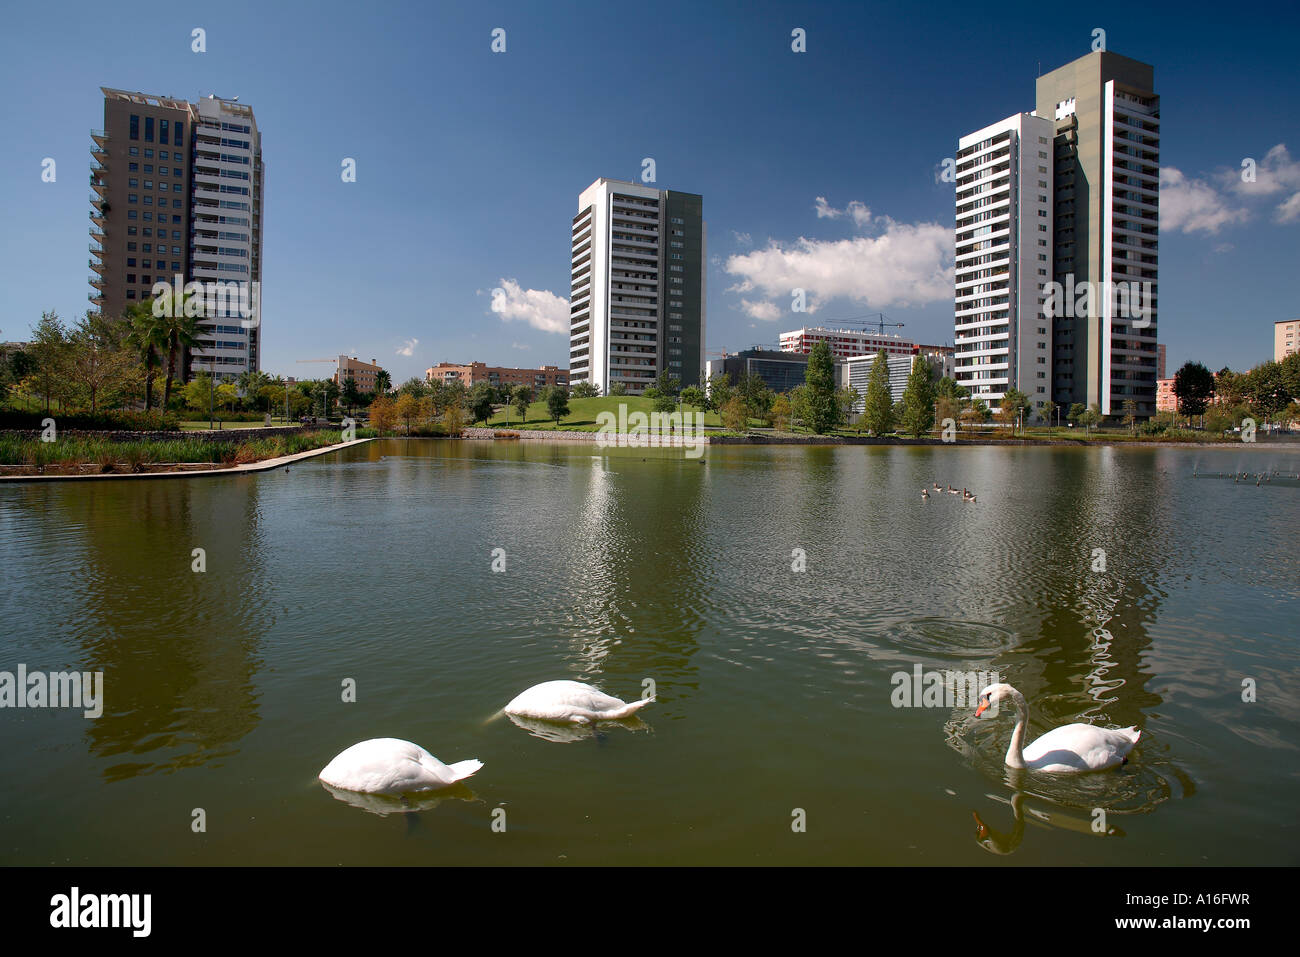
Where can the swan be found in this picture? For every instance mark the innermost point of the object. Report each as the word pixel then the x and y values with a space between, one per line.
pixel 571 701
pixel 1072 747
pixel 392 766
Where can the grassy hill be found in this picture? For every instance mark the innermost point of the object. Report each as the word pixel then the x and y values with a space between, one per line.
pixel 582 413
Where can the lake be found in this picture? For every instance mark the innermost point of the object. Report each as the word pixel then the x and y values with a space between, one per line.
pixel 770 594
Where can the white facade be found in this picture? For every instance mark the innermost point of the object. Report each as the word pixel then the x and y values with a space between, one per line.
pixel 1004 233
pixel 615 298
pixel 845 343
pixel 226 234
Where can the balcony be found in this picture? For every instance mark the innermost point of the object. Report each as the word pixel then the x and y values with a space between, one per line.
pixel 97 282
pixel 100 137
pixel 97 265
pixel 98 251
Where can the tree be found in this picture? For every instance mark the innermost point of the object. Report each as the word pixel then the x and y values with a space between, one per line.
pixel 720 390
pixel 848 399
pixel 98 367
pixel 147 339
pixel 947 407
pixel 480 402
pixel 664 403
pixel 1266 388
pixel 453 416
pixel 735 414
pixel 1193 386
pixel 522 397
pixel 351 394
pixel 918 399
pixel 949 388
pixel 1014 404
pixel 383 382
pixel 618 388
pixel 823 411
pixel 1130 414
pixel 557 403
pixel 694 396
pixel 977 412
pixel 584 390
pixel 668 384
pixel 197 393
pixel 406 408
pixel 48 349
pixel 1076 412
pixel 383 413
pixel 1092 417
pixel 1291 374
pixel 757 396
pixel 181 332
pixel 1046 410
pixel 781 412
pixel 227 395
pixel 1228 386
pixel 878 408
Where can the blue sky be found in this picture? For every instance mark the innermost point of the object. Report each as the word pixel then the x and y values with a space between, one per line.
pixel 469 162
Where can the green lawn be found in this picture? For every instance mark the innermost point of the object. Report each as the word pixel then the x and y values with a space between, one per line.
pixel 582 413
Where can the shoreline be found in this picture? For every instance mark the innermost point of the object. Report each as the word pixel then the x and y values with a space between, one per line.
pixel 262 466
pixel 589 438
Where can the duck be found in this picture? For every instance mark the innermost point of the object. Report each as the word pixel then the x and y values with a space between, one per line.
pixel 925 493
pixel 938 487
pixel 1071 748
pixel 967 496
pixel 571 702
pixel 953 491
pixel 392 766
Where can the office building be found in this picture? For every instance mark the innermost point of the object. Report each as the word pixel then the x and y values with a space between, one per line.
pixel 780 371
pixel 637 287
pixel 178 192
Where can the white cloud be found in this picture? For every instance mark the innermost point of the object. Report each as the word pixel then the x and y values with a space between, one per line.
pixel 857 211
pixel 905 265
pixel 1276 173
pixel 1289 211
pixel 520 345
pixel 407 348
pixel 540 308
pixel 743 239
pixel 760 309
pixel 1193 205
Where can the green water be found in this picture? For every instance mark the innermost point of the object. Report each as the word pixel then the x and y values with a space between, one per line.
pixel 224 688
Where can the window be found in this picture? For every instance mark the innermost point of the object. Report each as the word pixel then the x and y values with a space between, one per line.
pixel 135 130
pixel 176 187
pixel 148 184
pixel 176 267
pixel 130 230
pixel 130 277
pixel 133 151
pixel 176 136
pixel 1042 184
pixel 133 182
pixel 148 231
pixel 162 132
pixel 130 294
pixel 148 129
pixel 130 261
pixel 148 155
pixel 130 247
pixel 132 198
pixel 148 247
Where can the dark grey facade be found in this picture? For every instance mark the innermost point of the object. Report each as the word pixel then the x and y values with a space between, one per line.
pixel 682 265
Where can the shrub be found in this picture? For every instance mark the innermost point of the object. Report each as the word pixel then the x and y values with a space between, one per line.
pixel 117 420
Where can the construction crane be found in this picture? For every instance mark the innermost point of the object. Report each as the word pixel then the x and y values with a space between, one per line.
pixel 866 321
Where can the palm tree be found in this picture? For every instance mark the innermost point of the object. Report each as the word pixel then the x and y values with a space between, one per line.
pixel 383 382
pixel 147 339
pixel 181 332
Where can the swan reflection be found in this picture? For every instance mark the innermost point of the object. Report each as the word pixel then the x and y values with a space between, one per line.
pixel 569 733
pixel 1006 842
pixel 386 804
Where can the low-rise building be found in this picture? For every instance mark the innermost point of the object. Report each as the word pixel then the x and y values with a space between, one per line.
pixel 780 371
pixel 845 343
pixel 1286 338
pixel 1166 401
pixel 363 373
pixel 471 374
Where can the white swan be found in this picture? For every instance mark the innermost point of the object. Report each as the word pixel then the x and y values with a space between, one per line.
pixel 1072 747
pixel 393 766
pixel 571 701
